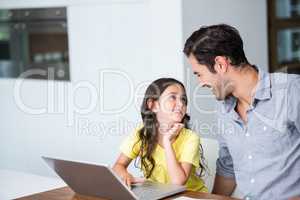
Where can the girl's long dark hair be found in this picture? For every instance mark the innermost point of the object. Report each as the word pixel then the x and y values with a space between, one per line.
pixel 148 133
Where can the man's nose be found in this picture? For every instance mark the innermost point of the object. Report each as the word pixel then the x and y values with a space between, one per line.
pixel 202 83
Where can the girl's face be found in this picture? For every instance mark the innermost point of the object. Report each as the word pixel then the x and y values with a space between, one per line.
pixel 171 106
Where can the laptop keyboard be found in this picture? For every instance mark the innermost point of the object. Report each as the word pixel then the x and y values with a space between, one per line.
pixel 150 190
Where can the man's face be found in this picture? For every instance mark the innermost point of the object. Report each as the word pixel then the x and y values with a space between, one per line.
pixel 217 82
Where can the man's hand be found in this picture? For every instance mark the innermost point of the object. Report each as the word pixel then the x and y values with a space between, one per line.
pixel 223 186
pixel 295 198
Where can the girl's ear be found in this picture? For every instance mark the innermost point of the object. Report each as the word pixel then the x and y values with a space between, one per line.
pixel 152 105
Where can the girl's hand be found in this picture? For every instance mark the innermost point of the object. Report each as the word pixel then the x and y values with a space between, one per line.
pixel 172 132
pixel 129 179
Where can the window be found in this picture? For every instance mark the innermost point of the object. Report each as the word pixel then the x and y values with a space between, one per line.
pixel 34 43
pixel 284 35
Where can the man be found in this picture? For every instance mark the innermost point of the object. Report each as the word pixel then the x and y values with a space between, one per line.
pixel 260 148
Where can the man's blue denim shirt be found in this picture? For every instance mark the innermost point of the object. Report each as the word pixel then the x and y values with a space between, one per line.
pixel 263 155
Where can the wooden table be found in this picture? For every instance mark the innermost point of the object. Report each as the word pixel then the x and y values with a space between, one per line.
pixel 65 193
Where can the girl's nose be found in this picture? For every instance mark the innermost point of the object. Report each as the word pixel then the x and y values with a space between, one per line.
pixel 179 103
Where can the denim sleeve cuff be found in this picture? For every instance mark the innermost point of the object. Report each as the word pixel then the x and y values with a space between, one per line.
pixel 224 171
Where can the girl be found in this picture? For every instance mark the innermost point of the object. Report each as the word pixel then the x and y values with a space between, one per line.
pixel 168 151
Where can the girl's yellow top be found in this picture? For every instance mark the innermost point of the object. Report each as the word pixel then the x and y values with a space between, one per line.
pixel 186 147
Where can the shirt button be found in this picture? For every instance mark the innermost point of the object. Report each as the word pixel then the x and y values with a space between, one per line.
pixel 249 157
pixel 252 180
pixel 265 128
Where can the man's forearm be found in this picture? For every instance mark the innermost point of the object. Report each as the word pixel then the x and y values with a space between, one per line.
pixel 224 185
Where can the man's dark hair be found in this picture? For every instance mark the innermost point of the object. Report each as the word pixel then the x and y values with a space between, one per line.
pixel 216 40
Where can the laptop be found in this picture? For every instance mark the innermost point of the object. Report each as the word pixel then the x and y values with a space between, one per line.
pixel 101 181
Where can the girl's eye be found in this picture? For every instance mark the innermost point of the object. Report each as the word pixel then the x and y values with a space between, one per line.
pixel 184 100
pixel 173 97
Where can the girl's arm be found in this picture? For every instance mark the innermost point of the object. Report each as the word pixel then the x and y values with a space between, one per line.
pixel 120 167
pixel 178 172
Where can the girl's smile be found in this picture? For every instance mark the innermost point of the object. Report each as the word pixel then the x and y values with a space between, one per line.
pixel 171 107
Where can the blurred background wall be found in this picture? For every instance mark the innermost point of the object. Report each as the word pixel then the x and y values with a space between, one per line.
pixel 116 48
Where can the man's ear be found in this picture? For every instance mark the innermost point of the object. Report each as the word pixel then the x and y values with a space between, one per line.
pixel 221 64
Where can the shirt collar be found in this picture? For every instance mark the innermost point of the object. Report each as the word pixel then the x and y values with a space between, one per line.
pixel 263 91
